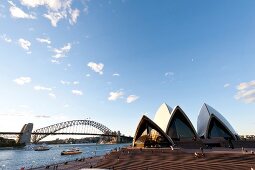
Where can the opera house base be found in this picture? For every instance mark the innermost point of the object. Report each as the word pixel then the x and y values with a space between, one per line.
pixel 179 159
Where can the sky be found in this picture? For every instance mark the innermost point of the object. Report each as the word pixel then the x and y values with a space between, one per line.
pixel 113 61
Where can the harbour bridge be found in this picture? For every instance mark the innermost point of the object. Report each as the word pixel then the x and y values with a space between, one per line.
pixel 74 127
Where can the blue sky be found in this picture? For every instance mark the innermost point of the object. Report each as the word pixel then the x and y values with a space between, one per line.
pixel 113 61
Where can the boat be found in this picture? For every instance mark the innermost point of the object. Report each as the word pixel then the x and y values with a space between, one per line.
pixel 41 148
pixel 71 151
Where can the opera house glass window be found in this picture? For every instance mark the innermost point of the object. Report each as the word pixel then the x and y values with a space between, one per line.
pixel 216 129
pixel 149 135
pixel 180 128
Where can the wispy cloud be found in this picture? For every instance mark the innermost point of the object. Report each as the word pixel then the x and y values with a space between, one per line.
pixel 61 52
pixel 96 67
pixel 65 82
pixel 56 10
pixel 226 85
pixel 52 95
pixel 77 92
pixel 115 95
pixel 167 74
pixel 22 80
pixel 42 88
pixel 116 74
pixel 53 5
pixel 19 13
pixel 76 83
pixel 55 61
pixel 54 17
pixel 25 44
pixel 6 38
pixel 44 40
pixel 246 92
pixel 74 15
pixel 2 7
pixel 132 98
pixel 42 116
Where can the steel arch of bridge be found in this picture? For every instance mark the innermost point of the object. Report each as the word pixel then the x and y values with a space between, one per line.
pixel 49 130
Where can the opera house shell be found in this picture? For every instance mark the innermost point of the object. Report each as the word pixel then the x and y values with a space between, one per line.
pixel 150 134
pixel 162 116
pixel 211 124
pixel 172 125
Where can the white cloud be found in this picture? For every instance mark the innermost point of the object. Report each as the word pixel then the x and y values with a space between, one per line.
pixel 51 4
pixel 6 38
pixel 77 92
pixel 22 80
pixel 246 85
pixel 55 61
pixel 25 44
pixel 56 10
pixel 19 13
pixel 2 7
pixel 115 95
pixel 52 95
pixel 87 75
pixel 226 85
pixel 74 15
pixel 116 74
pixel 246 92
pixel 54 17
pixel 65 82
pixel 44 40
pixel 42 88
pixel 76 82
pixel 42 116
pixel 61 52
pixel 132 98
pixel 96 67
pixel 169 74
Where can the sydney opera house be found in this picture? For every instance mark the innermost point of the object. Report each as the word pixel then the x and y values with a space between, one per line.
pixel 172 127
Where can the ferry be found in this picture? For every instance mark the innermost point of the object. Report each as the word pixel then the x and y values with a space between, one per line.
pixel 71 151
pixel 41 148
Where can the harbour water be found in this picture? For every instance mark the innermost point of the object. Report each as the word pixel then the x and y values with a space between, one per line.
pixel 13 158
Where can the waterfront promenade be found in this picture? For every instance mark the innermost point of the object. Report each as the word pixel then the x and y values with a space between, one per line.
pixel 74 165
pixel 166 158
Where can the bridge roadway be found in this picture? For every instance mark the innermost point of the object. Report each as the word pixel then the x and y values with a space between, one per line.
pixel 60 133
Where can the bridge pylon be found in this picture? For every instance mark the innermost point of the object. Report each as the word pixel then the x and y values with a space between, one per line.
pixel 25 136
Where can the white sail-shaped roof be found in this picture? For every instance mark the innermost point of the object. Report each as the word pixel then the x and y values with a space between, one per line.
pixel 204 118
pixel 162 116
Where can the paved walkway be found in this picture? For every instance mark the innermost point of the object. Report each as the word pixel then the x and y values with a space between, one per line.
pixel 74 165
pixel 166 158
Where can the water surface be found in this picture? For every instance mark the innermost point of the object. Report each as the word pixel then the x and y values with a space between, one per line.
pixel 13 158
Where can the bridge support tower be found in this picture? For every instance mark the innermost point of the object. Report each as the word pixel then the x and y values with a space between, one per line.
pixel 25 136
